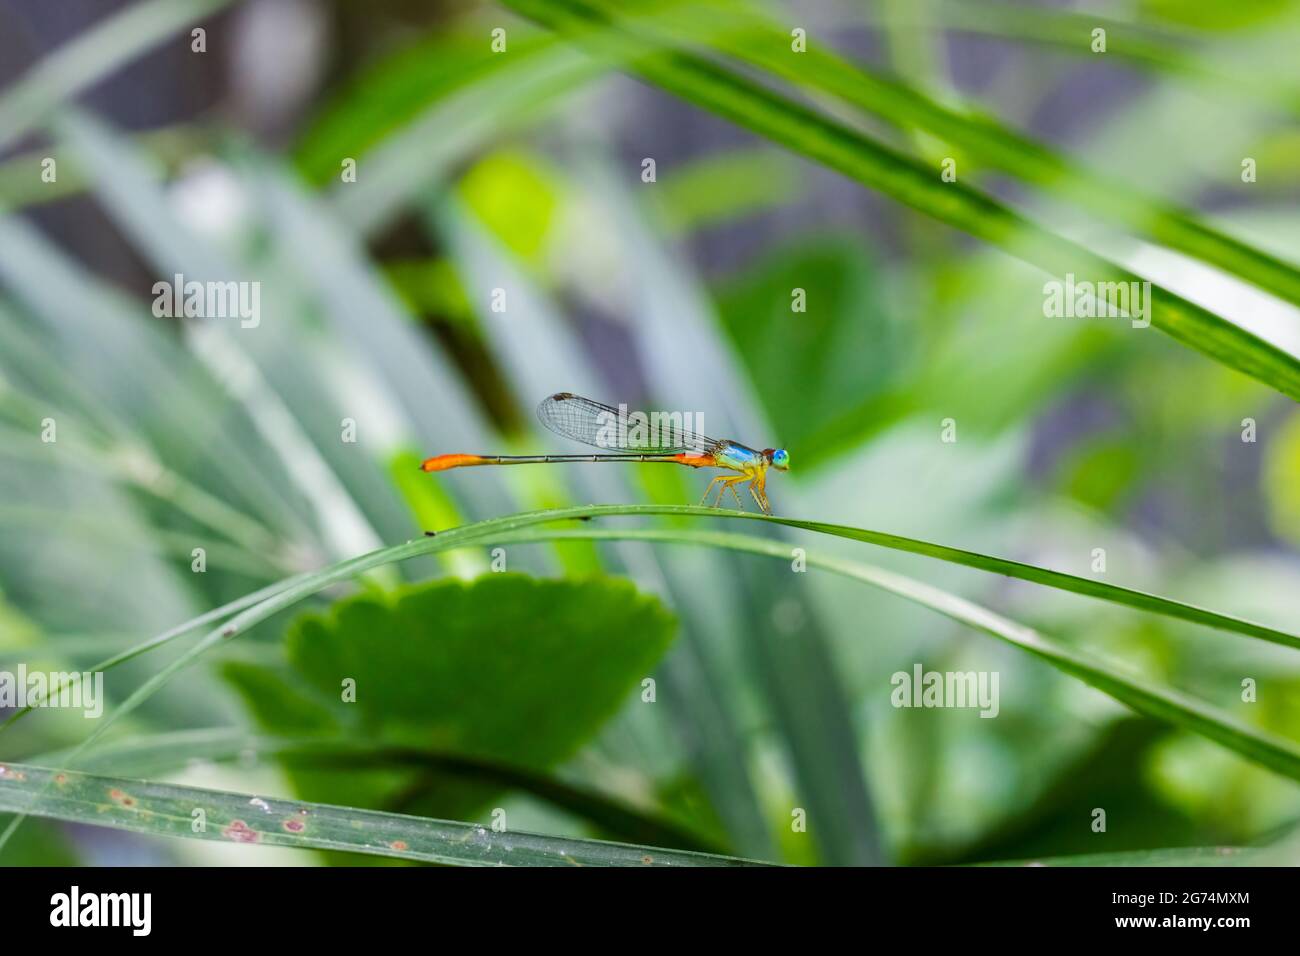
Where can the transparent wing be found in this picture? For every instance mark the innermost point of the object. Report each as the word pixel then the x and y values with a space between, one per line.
pixel 601 426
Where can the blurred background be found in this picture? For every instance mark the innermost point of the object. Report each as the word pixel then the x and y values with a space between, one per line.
pixel 522 169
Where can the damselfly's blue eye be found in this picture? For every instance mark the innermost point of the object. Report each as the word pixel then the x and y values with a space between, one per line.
pixel 781 460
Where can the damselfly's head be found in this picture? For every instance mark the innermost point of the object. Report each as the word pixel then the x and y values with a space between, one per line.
pixel 780 458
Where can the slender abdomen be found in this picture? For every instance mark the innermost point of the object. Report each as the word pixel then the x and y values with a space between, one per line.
pixel 445 462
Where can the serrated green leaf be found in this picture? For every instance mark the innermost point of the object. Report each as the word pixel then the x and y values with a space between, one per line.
pixel 437 665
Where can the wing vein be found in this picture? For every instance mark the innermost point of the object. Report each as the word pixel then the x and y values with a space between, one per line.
pixel 602 426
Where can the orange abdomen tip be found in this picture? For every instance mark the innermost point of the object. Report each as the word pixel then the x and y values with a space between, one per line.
pixel 695 461
pixel 443 462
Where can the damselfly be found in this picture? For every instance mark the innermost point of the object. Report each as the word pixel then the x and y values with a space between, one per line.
pixel 633 439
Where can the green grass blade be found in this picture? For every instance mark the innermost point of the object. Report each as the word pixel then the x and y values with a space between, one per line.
pixel 1169 706
pixel 162 809
pixel 84 313
pixel 255 607
pixel 1115 594
pixel 275 598
pixel 1158 49
pixel 153 755
pixel 166 637
pixel 687 355
pixel 516 90
pixel 758 42
pixel 911 182
pixel 99 52
pixel 290 592
pixel 1180 856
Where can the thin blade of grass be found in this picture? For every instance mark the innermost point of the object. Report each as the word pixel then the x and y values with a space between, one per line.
pixel 516 92
pixel 758 42
pixel 749 104
pixel 91 56
pixel 1169 706
pixel 1180 856
pixel 153 755
pixel 159 640
pixel 687 355
pixel 538 348
pixel 296 589
pixel 1282 756
pixel 162 809
pixel 300 586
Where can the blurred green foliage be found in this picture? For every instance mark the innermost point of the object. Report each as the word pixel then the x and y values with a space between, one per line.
pixel 506 669
pixel 1281 484
pixel 816 336
pixel 520 170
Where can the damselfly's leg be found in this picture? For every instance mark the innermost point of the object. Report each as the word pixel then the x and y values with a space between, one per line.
pixel 759 484
pixel 705 497
pixel 729 484
pixel 722 489
pixel 725 483
pixel 735 494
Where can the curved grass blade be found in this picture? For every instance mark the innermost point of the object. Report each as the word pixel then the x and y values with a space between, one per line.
pixel 302 585
pixel 1115 594
pixel 1169 706
pixel 278 597
pixel 154 755
pixel 687 354
pixel 911 182
pixel 1060 580
pixel 162 809
pixel 758 42
pixel 536 351
pixel 99 52
pixel 166 637
pixel 1177 856
pixel 510 92
pixel 1164 48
